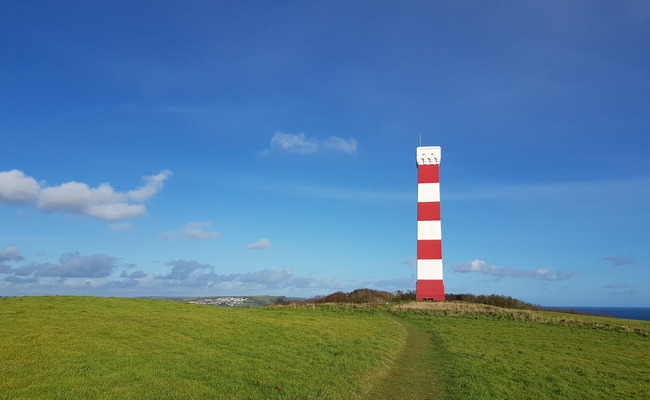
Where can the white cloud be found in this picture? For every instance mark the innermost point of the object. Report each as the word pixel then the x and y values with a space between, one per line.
pixel 78 198
pixel 102 202
pixel 259 245
pixel 17 188
pixel 193 230
pixel 152 185
pixel 302 144
pixel 480 266
pixel 293 143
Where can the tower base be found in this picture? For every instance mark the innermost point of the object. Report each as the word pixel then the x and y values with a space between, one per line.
pixel 432 290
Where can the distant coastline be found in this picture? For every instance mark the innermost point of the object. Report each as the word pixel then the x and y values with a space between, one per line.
pixel 640 313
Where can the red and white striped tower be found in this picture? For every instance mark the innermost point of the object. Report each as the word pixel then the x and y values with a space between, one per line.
pixel 429 264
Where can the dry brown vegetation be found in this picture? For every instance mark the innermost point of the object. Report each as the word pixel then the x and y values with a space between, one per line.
pixel 454 308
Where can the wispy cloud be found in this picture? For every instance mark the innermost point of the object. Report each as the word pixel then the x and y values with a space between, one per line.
pixel 346 194
pixel 101 202
pixel 394 284
pixel 261 244
pixel 618 261
pixel 353 193
pixel 411 262
pixel 182 269
pixel 334 143
pixel 302 144
pixel 193 230
pixel 120 226
pixel 620 289
pixel 481 267
pixel 620 191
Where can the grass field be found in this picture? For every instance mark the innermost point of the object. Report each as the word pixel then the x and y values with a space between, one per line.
pixel 494 353
pixel 110 348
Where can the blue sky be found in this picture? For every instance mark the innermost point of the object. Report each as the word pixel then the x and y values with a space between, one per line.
pixel 268 147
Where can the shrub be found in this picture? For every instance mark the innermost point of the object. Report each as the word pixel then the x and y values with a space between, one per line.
pixel 357 296
pixel 408 295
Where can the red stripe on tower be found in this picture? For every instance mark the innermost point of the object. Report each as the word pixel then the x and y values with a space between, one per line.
pixel 429 211
pixel 429 250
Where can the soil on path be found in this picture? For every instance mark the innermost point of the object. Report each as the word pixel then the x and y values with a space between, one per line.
pixel 414 374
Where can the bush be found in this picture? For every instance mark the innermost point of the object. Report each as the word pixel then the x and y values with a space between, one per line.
pixel 358 296
pixel 282 301
pixel 365 295
pixel 408 295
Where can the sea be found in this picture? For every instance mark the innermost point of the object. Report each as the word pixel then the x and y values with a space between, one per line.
pixel 641 313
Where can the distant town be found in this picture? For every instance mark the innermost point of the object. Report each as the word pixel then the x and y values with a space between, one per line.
pixel 222 301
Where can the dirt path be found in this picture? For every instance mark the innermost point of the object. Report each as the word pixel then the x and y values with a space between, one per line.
pixel 415 375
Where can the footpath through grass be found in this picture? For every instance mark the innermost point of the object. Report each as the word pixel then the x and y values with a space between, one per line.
pixel 110 348
pixel 416 372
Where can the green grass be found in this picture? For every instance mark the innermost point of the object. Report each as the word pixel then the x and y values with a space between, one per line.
pixel 415 373
pixel 491 353
pixel 110 348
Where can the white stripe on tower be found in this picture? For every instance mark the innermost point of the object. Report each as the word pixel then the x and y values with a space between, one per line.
pixel 429 250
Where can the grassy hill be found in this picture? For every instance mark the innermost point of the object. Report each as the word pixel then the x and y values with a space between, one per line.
pixel 112 348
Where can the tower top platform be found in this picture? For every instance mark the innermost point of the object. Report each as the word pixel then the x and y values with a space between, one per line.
pixel 427 155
